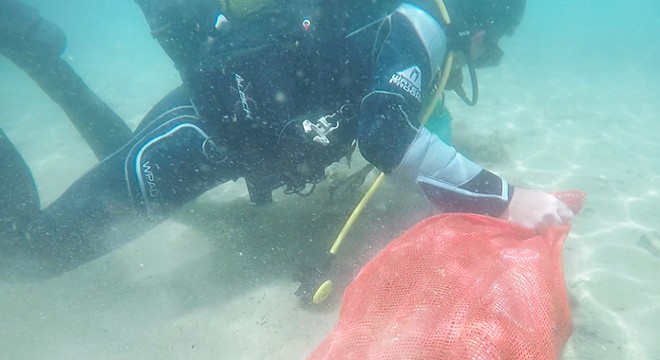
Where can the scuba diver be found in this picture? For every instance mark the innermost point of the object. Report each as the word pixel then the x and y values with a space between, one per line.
pixel 274 92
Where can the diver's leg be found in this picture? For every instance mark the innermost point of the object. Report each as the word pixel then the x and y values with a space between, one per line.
pixel 35 45
pixel 19 200
pixel 172 161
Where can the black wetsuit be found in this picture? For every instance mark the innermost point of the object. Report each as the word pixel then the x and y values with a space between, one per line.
pixel 276 109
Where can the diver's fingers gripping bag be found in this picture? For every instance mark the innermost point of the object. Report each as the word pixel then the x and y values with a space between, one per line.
pixel 458 286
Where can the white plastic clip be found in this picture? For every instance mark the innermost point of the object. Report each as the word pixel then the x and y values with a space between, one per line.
pixel 320 130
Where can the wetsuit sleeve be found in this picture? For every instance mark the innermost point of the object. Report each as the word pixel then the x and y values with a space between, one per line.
pixel 408 56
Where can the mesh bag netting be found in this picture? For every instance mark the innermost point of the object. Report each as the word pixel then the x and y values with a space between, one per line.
pixel 458 286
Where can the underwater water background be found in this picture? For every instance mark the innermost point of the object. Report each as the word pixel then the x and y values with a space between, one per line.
pixel 574 104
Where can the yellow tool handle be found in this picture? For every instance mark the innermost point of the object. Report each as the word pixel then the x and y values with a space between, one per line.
pixel 443 11
pixel 356 213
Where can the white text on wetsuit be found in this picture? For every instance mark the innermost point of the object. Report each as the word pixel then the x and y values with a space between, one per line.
pixel 407 82
pixel 241 94
pixel 151 179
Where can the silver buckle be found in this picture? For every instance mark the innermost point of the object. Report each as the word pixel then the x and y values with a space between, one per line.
pixel 320 130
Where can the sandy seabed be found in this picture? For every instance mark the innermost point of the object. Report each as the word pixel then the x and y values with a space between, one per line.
pixel 217 280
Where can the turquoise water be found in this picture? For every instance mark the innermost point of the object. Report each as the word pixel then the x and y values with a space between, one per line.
pixel 574 104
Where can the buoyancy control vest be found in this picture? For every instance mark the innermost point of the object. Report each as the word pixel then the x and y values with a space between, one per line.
pixel 274 84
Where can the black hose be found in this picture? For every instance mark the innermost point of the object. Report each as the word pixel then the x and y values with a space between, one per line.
pixel 475 86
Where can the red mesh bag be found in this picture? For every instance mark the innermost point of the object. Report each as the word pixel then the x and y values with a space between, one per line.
pixel 458 286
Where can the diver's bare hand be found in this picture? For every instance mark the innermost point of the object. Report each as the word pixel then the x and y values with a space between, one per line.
pixel 536 209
